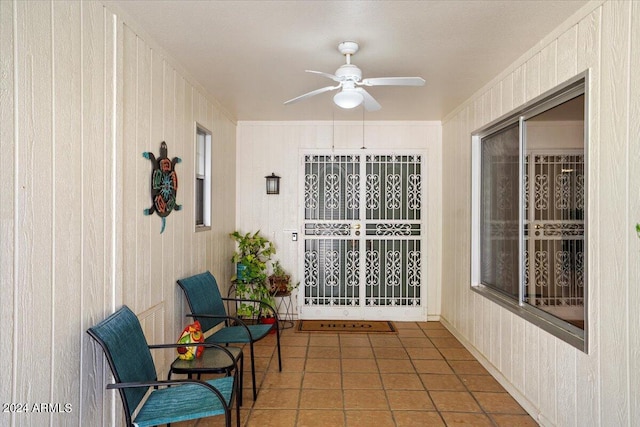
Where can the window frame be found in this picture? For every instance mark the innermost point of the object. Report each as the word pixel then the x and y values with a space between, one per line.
pixel 578 85
pixel 206 190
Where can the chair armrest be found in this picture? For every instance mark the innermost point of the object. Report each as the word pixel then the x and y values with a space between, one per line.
pixel 272 308
pixel 201 344
pixel 234 318
pixel 170 383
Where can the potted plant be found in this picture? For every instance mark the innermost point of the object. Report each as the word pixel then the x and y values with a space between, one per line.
pixel 252 255
pixel 280 280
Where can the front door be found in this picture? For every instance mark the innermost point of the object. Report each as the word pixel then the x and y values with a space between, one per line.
pixel 363 229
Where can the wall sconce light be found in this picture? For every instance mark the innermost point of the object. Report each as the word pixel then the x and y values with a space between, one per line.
pixel 273 183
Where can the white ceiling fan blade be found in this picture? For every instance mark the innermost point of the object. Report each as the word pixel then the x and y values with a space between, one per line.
pixel 370 104
pixel 327 75
pixel 312 93
pixel 393 81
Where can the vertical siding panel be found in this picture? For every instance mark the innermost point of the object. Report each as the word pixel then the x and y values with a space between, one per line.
pixel 506 355
pixel 167 281
pixel 131 164
pixel 567 60
pixel 613 327
pixel 519 83
pixel 533 366
pixel 8 215
pixel 588 389
pixel 517 351
pixel 507 94
pixel 189 240
pixel 187 210
pixel 95 402
pixel 566 402
pixel 496 101
pixel 35 180
pixel 532 78
pixel 633 153
pixel 67 209
pixel 153 293
pixel 143 174
pixel 548 64
pixel 548 372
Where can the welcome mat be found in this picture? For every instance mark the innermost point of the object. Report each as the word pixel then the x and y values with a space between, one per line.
pixel 342 326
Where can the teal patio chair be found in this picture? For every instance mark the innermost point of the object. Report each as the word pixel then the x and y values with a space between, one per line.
pixel 129 357
pixel 208 307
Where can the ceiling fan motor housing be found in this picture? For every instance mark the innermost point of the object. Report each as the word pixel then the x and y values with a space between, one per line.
pixel 348 72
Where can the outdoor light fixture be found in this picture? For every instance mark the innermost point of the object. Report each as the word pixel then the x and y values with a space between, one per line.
pixel 348 99
pixel 273 183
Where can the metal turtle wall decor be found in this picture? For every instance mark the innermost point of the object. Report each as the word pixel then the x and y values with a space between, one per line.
pixel 164 184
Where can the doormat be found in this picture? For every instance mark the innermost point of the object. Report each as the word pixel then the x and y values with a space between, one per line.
pixel 342 326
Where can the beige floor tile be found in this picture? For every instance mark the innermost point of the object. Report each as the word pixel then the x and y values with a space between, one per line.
pixel 295 340
pixel 457 419
pixel 290 364
pixel 390 353
pixel 324 340
pixel 442 333
pixel 261 351
pixel 395 366
pixel 324 380
pixel 457 354
pixel 286 398
pixel 406 325
pixel 323 365
pixel 406 333
pixel 361 380
pixel 323 352
pixel 422 342
pixel 272 418
pixel 365 399
pixel 369 418
pixel 431 325
pixel 462 367
pixel 418 353
pixel 505 420
pixel 382 340
pixel 315 418
pixel 282 380
pixel 354 340
pixel 357 353
pixel 418 419
pixel 359 365
pixel 446 342
pixel 442 382
pixel 481 383
pixel 415 400
pixel 454 401
pixel 294 351
pixel 499 403
pixel 432 367
pixel 401 382
pixel 321 399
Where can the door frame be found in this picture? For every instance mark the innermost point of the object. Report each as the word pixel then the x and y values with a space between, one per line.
pixel 325 312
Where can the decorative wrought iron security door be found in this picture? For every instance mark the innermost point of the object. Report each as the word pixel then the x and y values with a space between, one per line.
pixel 362 236
pixel 554 205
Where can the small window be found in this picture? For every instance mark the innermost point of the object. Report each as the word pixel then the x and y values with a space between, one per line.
pixel 529 211
pixel 203 179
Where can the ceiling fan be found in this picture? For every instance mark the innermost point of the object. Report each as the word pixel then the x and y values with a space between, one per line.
pixel 349 79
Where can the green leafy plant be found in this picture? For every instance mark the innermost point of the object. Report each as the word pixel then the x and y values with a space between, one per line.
pixel 638 230
pixel 280 280
pixel 251 257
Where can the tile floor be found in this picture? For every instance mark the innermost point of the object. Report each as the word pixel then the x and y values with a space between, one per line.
pixel 421 376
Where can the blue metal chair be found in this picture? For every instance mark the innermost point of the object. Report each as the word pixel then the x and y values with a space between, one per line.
pixel 208 307
pixel 129 357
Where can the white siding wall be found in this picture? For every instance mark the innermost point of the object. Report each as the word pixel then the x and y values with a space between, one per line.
pixel 82 95
pixel 265 147
pixel 555 382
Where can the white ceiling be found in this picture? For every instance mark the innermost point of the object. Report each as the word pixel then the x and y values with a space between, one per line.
pixel 251 55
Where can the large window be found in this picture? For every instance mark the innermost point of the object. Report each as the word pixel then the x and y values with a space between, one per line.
pixel 203 179
pixel 529 211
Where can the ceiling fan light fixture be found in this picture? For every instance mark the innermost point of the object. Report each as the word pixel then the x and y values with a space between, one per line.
pixel 348 99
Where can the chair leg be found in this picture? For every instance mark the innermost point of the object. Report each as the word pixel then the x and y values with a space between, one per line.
pixel 278 342
pixel 253 371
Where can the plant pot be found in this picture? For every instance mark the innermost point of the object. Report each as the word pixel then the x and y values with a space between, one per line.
pixel 269 321
pixel 279 284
